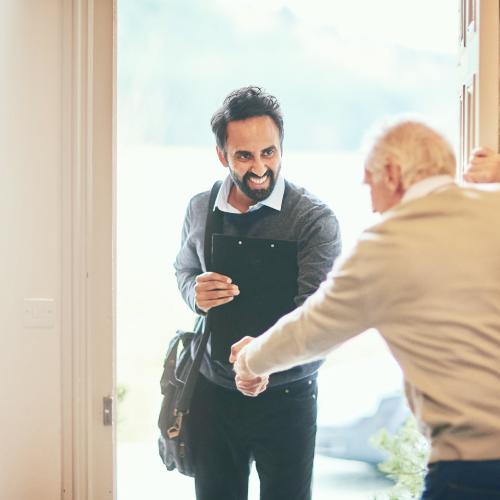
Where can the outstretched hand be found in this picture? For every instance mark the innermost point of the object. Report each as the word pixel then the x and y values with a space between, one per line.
pixel 246 382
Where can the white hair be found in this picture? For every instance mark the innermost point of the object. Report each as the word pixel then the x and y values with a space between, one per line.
pixel 414 146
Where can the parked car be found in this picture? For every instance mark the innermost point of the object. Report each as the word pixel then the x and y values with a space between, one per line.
pixel 360 393
pixel 353 441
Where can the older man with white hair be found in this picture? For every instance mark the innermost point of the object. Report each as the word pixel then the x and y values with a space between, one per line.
pixel 427 277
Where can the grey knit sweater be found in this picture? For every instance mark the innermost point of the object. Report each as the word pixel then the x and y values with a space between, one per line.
pixel 302 218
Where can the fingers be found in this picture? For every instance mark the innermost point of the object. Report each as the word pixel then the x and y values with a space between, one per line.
pixel 238 346
pixel 471 176
pixel 213 292
pixel 252 387
pixel 482 172
pixel 254 393
pixel 248 384
pixel 214 289
pixel 214 282
pixel 481 152
pixel 206 305
pixel 210 276
pixel 215 297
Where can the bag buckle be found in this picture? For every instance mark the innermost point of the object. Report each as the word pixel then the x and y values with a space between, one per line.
pixel 175 430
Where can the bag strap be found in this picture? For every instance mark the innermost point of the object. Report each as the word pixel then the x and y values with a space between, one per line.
pixel 214 224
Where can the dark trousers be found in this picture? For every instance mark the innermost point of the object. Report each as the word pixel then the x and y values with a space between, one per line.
pixel 463 480
pixel 277 429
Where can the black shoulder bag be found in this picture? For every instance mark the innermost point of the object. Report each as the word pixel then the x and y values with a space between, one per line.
pixel 181 370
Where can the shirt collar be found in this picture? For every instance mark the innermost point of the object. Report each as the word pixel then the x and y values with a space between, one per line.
pixel 427 186
pixel 274 200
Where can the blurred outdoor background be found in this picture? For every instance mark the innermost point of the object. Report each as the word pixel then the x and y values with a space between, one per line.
pixel 337 67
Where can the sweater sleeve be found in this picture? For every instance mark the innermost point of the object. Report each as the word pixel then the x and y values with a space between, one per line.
pixel 319 246
pixel 187 263
pixel 330 316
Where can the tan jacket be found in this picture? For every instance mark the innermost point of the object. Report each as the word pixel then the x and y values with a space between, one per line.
pixel 428 278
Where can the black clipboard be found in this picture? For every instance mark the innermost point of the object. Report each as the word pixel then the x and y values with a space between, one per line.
pixel 266 273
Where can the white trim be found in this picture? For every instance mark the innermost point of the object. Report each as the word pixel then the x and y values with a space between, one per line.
pixel 87 250
pixel 488 98
pixel 67 253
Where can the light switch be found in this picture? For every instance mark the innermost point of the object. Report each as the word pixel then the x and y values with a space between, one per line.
pixel 39 313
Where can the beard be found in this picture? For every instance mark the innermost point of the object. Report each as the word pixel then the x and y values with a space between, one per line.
pixel 255 194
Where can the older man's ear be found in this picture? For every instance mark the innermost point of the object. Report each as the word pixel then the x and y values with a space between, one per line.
pixel 393 177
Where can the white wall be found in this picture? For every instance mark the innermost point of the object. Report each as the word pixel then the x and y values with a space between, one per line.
pixel 30 247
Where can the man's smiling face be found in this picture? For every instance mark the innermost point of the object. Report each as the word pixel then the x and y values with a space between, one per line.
pixel 253 156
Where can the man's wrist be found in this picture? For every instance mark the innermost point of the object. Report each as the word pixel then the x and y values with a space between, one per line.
pixel 241 365
pixel 199 311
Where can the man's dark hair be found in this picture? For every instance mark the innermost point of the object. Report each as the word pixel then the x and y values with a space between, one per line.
pixel 244 103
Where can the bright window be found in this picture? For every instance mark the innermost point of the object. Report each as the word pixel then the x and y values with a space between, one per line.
pixel 336 67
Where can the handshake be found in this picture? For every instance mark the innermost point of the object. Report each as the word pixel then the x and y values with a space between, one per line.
pixel 247 382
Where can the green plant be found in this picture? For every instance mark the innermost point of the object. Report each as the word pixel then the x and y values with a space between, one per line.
pixel 121 392
pixel 406 463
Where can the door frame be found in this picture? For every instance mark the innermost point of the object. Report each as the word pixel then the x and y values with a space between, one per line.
pixel 478 77
pixel 88 227
pixel 88 247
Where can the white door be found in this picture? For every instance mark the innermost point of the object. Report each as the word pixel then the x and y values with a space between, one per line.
pixel 478 76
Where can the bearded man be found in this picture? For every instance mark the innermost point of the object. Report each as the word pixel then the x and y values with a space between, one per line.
pixel 276 429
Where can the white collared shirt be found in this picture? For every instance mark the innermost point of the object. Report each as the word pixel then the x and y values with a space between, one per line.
pixel 274 200
pixel 426 186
